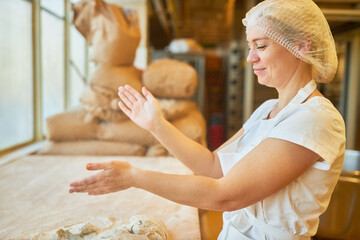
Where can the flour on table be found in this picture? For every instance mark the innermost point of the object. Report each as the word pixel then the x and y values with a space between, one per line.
pixel 139 227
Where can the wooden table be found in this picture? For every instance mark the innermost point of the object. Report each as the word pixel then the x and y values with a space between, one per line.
pixel 34 197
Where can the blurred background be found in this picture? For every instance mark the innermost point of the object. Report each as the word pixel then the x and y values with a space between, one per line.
pixel 45 62
pixel 45 65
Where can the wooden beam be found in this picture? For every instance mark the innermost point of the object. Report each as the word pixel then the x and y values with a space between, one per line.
pixel 37 82
pixel 162 14
pixel 353 93
pixel 342 15
pixel 67 23
pixel 337 1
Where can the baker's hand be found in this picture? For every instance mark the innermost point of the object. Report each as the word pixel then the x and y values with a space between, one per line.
pixel 143 109
pixel 115 176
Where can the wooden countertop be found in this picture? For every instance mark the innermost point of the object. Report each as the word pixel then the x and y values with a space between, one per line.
pixel 34 197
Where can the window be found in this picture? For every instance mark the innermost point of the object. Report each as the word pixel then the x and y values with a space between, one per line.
pixel 44 66
pixel 52 59
pixel 78 66
pixel 16 74
pixel 36 59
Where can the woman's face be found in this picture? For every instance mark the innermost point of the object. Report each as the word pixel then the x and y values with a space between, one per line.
pixel 273 64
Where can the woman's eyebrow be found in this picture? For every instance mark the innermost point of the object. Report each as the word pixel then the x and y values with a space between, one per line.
pixel 257 39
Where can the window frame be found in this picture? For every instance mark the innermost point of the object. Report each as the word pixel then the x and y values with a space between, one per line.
pixel 36 8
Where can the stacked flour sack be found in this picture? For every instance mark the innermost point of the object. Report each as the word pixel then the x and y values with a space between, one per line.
pixel 100 127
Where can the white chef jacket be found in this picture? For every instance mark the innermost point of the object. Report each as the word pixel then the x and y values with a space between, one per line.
pixel 293 212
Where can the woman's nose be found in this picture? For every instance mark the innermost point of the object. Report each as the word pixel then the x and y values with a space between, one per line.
pixel 252 56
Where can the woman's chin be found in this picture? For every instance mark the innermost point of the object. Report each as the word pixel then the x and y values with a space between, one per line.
pixel 262 81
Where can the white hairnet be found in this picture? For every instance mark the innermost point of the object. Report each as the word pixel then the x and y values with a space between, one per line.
pixel 294 23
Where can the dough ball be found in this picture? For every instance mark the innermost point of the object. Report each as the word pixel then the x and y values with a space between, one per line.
pixel 152 228
pixel 75 232
pixel 118 234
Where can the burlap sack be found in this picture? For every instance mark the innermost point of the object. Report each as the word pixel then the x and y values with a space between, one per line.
pixel 102 103
pixel 170 78
pixel 192 125
pixel 101 98
pixel 92 147
pixel 83 15
pixel 115 34
pixel 112 77
pixel 71 125
pixel 173 108
pixel 125 131
pixel 156 151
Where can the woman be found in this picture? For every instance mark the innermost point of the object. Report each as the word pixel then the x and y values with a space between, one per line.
pixel 275 176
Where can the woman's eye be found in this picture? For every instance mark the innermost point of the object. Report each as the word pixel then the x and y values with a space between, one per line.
pixel 258 47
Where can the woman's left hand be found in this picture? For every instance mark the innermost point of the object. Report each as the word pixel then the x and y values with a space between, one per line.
pixel 143 109
pixel 115 176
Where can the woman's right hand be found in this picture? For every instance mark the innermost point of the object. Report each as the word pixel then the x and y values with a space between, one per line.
pixel 143 109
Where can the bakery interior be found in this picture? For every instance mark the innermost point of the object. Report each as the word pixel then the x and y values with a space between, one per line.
pixel 59 111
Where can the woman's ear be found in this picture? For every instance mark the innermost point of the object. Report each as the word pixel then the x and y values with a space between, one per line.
pixel 304 47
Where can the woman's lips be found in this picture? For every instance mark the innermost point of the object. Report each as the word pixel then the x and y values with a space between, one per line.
pixel 258 70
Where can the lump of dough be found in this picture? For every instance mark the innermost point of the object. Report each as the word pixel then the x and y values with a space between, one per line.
pixel 138 228
pixel 119 234
pixel 150 227
pixel 75 232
